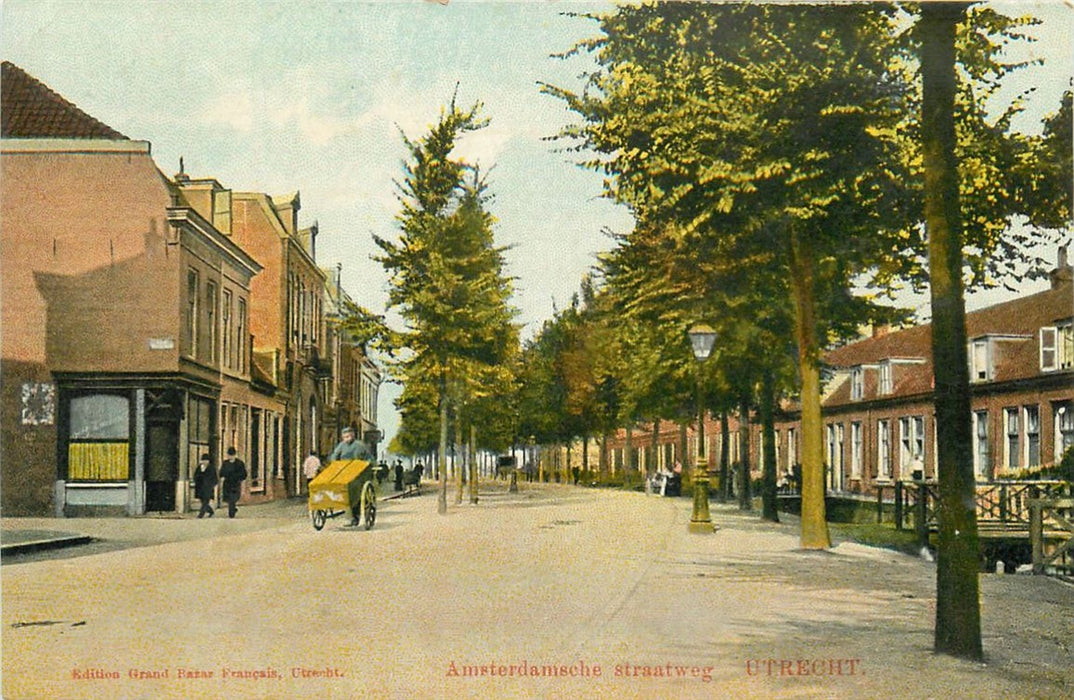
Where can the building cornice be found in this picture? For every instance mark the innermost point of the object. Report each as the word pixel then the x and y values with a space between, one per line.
pixel 74 146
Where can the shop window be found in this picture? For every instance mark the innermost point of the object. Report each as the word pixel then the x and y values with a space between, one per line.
pixel 98 446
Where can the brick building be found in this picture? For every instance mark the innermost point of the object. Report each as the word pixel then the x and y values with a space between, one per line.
pixel 879 424
pixel 146 320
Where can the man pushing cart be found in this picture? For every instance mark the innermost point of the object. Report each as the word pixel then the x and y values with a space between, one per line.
pixel 345 485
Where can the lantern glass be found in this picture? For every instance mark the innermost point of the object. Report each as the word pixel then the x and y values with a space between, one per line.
pixel 702 340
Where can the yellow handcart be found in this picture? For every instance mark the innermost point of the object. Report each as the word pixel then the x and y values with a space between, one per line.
pixel 342 487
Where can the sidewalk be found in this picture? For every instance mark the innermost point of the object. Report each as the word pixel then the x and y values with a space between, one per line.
pixel 40 536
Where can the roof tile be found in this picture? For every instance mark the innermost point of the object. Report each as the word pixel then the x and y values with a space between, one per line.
pixel 30 109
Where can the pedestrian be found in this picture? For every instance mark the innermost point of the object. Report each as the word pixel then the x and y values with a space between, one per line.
pixel 349 448
pixel 232 473
pixel 398 475
pixel 311 467
pixel 205 480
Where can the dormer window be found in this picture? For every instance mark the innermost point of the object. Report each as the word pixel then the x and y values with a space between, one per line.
pixel 857 384
pixel 1056 347
pixel 886 383
pixel 980 371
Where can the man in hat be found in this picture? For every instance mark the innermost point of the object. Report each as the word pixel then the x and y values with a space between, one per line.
pixel 349 448
pixel 232 474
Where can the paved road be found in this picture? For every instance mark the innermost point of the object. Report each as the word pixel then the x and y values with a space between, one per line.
pixel 555 592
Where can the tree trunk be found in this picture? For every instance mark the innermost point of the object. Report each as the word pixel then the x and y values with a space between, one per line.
pixel 958 611
pixel 441 504
pixel 814 519
pixel 651 464
pixel 683 460
pixel 770 507
pixel 460 470
pixel 725 456
pixel 603 460
pixel 745 498
pixel 472 459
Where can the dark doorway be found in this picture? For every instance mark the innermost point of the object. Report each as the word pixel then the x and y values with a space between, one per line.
pixel 255 448
pixel 161 466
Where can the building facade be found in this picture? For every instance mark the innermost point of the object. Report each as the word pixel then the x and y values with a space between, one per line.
pixel 877 405
pixel 147 320
pixel 353 393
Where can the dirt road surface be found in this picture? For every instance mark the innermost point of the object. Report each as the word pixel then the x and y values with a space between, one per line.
pixel 553 592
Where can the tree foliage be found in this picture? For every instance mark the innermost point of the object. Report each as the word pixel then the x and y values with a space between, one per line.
pixel 447 281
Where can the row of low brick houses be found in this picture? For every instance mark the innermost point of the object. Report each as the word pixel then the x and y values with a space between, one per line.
pixel 149 319
pixel 879 421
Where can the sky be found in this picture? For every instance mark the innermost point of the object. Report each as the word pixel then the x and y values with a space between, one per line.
pixel 277 96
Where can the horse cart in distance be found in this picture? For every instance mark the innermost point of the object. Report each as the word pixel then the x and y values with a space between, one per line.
pixel 344 487
pixel 412 480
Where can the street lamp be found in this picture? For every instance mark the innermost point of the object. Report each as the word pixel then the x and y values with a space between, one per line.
pixel 702 339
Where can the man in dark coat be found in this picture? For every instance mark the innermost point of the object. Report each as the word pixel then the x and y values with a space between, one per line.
pixel 205 480
pixel 232 473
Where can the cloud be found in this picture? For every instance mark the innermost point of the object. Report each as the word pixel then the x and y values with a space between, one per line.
pixel 299 100
pixel 232 110
pixel 483 147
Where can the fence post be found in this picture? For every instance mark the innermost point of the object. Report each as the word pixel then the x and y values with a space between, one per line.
pixel 921 526
pixel 898 505
pixel 1003 510
pixel 1036 534
pixel 879 504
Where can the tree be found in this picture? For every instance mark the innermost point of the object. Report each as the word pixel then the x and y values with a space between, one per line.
pixel 958 615
pixel 1049 199
pixel 445 275
pixel 747 138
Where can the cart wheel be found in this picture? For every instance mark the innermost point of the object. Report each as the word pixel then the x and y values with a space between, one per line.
pixel 369 505
pixel 318 517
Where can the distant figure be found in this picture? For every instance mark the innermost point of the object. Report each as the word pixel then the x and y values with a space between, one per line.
pixel 205 480
pixel 311 467
pixel 232 473
pixel 398 475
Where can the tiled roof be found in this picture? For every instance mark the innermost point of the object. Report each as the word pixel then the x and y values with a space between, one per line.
pixel 1019 320
pixel 29 109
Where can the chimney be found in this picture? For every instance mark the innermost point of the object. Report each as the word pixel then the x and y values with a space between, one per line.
pixel 287 209
pixel 181 177
pixel 1063 273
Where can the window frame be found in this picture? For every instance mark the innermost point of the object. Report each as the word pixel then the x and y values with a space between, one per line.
pixel 886 383
pixel 101 452
pixel 193 285
pixel 883 449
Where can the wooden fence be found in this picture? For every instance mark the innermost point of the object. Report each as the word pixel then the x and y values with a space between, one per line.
pixel 1036 511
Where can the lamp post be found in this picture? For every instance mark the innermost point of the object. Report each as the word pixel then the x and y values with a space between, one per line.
pixel 702 339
